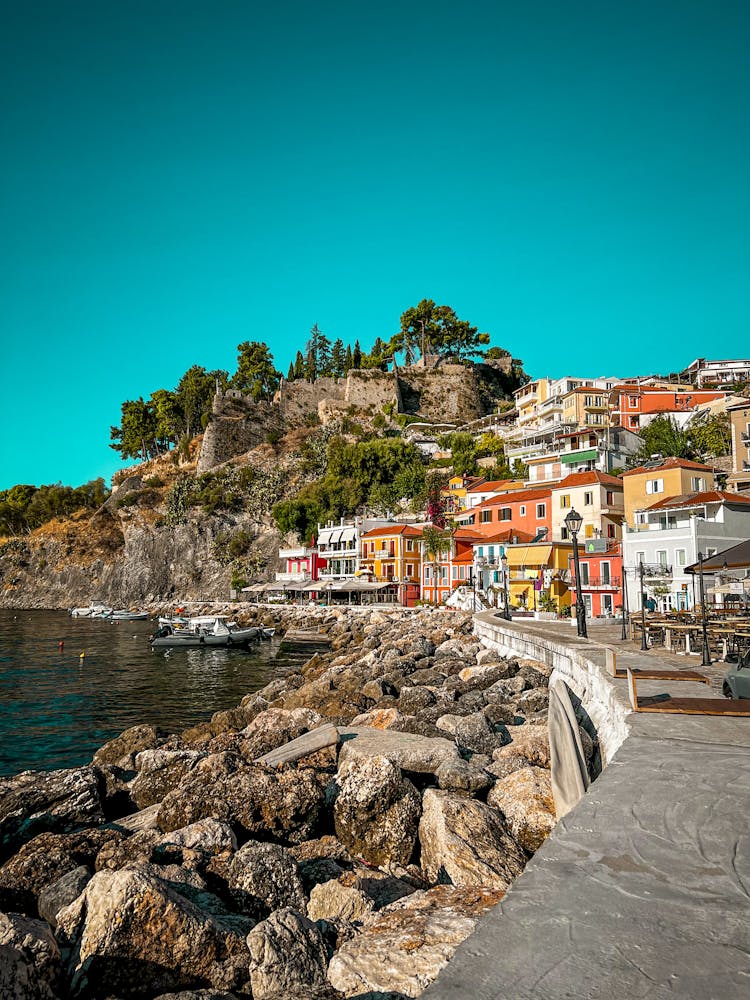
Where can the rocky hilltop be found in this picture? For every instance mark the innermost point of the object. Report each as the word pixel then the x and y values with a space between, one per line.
pixel 130 552
pixel 337 834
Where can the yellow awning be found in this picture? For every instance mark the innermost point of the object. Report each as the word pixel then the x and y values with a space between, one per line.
pixel 528 555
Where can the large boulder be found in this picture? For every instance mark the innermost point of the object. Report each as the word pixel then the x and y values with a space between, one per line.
pixel 37 801
pixel 420 754
pixel 275 727
pixel 403 947
pixel 466 841
pixel 122 750
pixel 525 800
pixel 30 967
pixel 131 932
pixel 287 952
pixel 159 771
pixel 263 877
pixel 528 741
pixel 62 893
pixel 354 895
pixel 376 811
pixel 285 805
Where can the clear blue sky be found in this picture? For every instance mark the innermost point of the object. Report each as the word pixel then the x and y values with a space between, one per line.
pixel 176 177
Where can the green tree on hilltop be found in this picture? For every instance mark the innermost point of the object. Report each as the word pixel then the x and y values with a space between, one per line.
pixel 256 373
pixel 434 329
pixel 338 358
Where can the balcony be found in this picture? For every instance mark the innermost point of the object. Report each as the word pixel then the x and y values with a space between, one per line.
pixel 301 552
pixel 293 577
pixel 599 583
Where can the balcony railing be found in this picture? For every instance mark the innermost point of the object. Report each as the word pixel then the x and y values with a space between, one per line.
pixel 293 577
pixel 300 552
pixel 594 582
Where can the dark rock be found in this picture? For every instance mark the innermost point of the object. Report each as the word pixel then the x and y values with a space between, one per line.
pixel 37 801
pixel 413 699
pixel 159 771
pixel 62 893
pixel 122 750
pixel 263 877
pixel 462 776
pixel 473 733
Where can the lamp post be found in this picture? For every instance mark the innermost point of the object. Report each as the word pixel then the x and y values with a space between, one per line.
pixel 706 660
pixel 641 573
pixel 573 523
pixel 506 574
pixel 624 609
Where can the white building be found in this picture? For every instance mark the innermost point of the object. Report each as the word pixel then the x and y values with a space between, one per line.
pixel 668 536
pixel 339 548
pixel 727 372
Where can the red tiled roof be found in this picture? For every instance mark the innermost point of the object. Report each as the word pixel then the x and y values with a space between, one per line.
pixel 669 463
pixel 698 499
pixel 585 478
pixel 492 533
pixel 515 496
pixel 394 529
pixel 492 484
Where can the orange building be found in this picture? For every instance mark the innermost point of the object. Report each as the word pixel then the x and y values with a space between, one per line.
pixel 629 403
pixel 528 510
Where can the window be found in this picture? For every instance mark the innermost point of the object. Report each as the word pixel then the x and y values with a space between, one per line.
pixel 486 516
pixel 565 500
pixel 605 572
pixel 584 574
pixel 522 510
pixel 633 401
pixel 541 510
pixel 564 533
pixel 661 557
pixel 588 499
pixel 506 514
pixel 409 544
pixel 611 531
pixel 654 486
pixel 698 484
pixel 680 557
pixel 640 557
pixel 491 553
pixel 607 604
pixel 610 497
pixel 588 531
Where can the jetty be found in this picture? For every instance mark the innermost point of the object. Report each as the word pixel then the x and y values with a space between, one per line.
pixel 304 641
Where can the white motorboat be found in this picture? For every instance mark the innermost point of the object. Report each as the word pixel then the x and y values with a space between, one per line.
pixel 95 610
pixel 126 616
pixel 205 630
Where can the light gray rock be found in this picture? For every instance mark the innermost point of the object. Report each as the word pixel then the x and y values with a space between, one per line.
pixel 287 952
pixel 377 810
pixel 208 835
pixel 404 947
pixel 525 800
pixel 529 741
pixel 355 895
pixel 421 754
pixel 462 776
pixel 130 928
pixel 467 842
pixel 30 967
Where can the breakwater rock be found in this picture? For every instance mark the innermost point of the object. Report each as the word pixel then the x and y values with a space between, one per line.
pixel 188 865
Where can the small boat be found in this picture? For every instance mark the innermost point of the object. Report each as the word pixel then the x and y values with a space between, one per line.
pixel 126 616
pixel 206 630
pixel 95 610
pixel 176 621
pixel 267 633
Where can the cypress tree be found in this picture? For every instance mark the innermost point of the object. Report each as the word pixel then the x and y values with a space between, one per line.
pixel 290 373
pixel 348 363
pixel 357 355
pixel 299 365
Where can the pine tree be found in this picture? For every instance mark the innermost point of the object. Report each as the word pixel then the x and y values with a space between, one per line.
pixel 324 357
pixel 338 358
pixel 349 361
pixel 357 355
pixel 290 373
pixel 299 365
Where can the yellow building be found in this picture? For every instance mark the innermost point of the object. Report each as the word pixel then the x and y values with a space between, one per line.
pixel 454 494
pixel 661 479
pixel 739 418
pixel 586 407
pixel 528 398
pixel 391 555
pixel 537 571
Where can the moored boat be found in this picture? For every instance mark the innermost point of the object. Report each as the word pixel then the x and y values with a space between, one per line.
pixel 95 610
pixel 205 630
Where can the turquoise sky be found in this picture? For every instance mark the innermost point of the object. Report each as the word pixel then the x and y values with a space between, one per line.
pixel 176 177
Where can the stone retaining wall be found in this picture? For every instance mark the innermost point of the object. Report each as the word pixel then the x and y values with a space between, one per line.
pixel 580 663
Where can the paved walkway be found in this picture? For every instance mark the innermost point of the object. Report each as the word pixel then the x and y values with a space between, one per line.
pixel 643 890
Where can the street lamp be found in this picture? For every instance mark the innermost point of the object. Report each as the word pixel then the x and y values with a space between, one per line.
pixel 506 574
pixel 706 651
pixel 624 608
pixel 641 573
pixel 573 523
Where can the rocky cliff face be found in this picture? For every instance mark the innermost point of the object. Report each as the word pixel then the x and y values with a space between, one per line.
pixel 123 559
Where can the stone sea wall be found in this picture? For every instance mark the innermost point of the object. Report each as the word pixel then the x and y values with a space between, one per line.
pixel 193 862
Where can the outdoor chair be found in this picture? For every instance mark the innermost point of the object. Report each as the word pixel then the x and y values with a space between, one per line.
pixel 647 674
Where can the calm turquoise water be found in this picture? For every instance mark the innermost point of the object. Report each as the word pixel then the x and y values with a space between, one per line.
pixel 56 709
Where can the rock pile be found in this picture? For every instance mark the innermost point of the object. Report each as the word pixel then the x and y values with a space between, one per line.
pixel 185 866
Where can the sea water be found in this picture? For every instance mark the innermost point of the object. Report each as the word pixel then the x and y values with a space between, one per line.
pixel 57 707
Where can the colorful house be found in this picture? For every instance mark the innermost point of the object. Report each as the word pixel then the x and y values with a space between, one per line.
pixel 526 510
pixel 633 406
pixel 660 479
pixel 600 564
pixel 597 497
pixel 302 564
pixel 539 575
pixel 390 554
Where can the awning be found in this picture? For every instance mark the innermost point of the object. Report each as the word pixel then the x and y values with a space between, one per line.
pixel 570 458
pixel 528 555
pixel 736 557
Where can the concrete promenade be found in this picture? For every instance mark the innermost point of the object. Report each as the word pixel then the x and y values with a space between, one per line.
pixel 643 889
